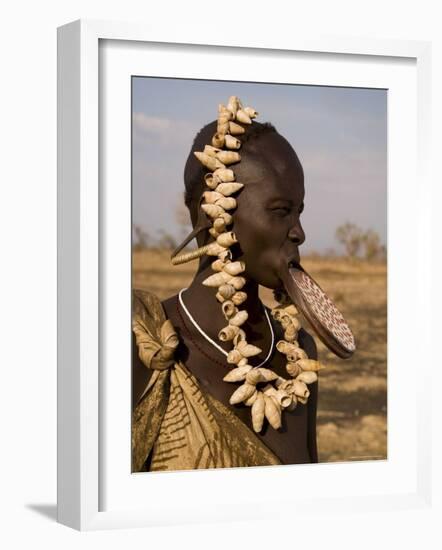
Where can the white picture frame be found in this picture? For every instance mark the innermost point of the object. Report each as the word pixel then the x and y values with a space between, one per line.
pixel 81 295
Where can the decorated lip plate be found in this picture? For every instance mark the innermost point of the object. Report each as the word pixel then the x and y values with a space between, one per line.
pixel 325 318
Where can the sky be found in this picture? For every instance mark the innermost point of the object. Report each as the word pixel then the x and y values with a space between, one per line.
pixel 339 134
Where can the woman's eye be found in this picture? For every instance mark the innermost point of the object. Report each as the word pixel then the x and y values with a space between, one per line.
pixel 282 210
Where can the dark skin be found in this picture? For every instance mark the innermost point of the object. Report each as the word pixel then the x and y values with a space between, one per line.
pixel 268 228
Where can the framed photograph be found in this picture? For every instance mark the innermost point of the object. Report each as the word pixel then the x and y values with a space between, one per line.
pixel 234 281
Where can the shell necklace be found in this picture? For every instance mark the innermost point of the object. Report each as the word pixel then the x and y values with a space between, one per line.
pixel 267 393
pixel 218 347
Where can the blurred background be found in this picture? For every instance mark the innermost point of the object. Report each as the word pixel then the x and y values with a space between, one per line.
pixel 340 136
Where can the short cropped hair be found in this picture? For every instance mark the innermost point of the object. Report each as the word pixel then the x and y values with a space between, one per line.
pixel 194 171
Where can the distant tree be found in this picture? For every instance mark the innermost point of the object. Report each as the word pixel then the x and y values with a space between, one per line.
pixel 372 245
pixel 351 237
pixel 166 240
pixel 141 238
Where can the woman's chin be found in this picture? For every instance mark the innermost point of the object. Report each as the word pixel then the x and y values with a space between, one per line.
pixel 273 283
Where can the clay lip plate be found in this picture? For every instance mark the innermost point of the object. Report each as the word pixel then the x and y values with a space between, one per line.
pixel 299 285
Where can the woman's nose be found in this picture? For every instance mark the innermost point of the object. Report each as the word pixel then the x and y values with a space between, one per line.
pixel 296 234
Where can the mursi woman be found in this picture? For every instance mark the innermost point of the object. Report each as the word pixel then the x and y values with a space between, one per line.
pixel 218 379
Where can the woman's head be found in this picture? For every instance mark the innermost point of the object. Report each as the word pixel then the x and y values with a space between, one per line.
pixel 267 218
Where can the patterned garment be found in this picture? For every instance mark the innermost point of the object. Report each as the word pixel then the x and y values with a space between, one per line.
pixel 176 424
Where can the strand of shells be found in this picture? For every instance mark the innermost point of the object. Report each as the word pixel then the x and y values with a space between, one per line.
pixel 267 393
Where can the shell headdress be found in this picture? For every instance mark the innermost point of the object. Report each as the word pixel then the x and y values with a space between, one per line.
pixel 267 393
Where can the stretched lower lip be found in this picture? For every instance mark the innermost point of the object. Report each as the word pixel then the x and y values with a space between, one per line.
pixel 285 268
pixel 293 264
pixel 286 273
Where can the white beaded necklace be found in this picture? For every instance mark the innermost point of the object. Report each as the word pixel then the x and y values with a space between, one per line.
pixel 204 335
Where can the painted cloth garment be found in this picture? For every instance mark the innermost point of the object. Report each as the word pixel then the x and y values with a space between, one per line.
pixel 176 424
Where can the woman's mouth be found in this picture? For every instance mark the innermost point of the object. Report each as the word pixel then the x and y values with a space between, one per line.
pixel 294 264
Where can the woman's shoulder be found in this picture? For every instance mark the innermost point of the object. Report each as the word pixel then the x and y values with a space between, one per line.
pixel 145 299
pixel 142 298
pixel 148 310
pixel 169 303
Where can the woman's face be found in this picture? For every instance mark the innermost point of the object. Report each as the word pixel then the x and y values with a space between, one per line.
pixel 267 219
